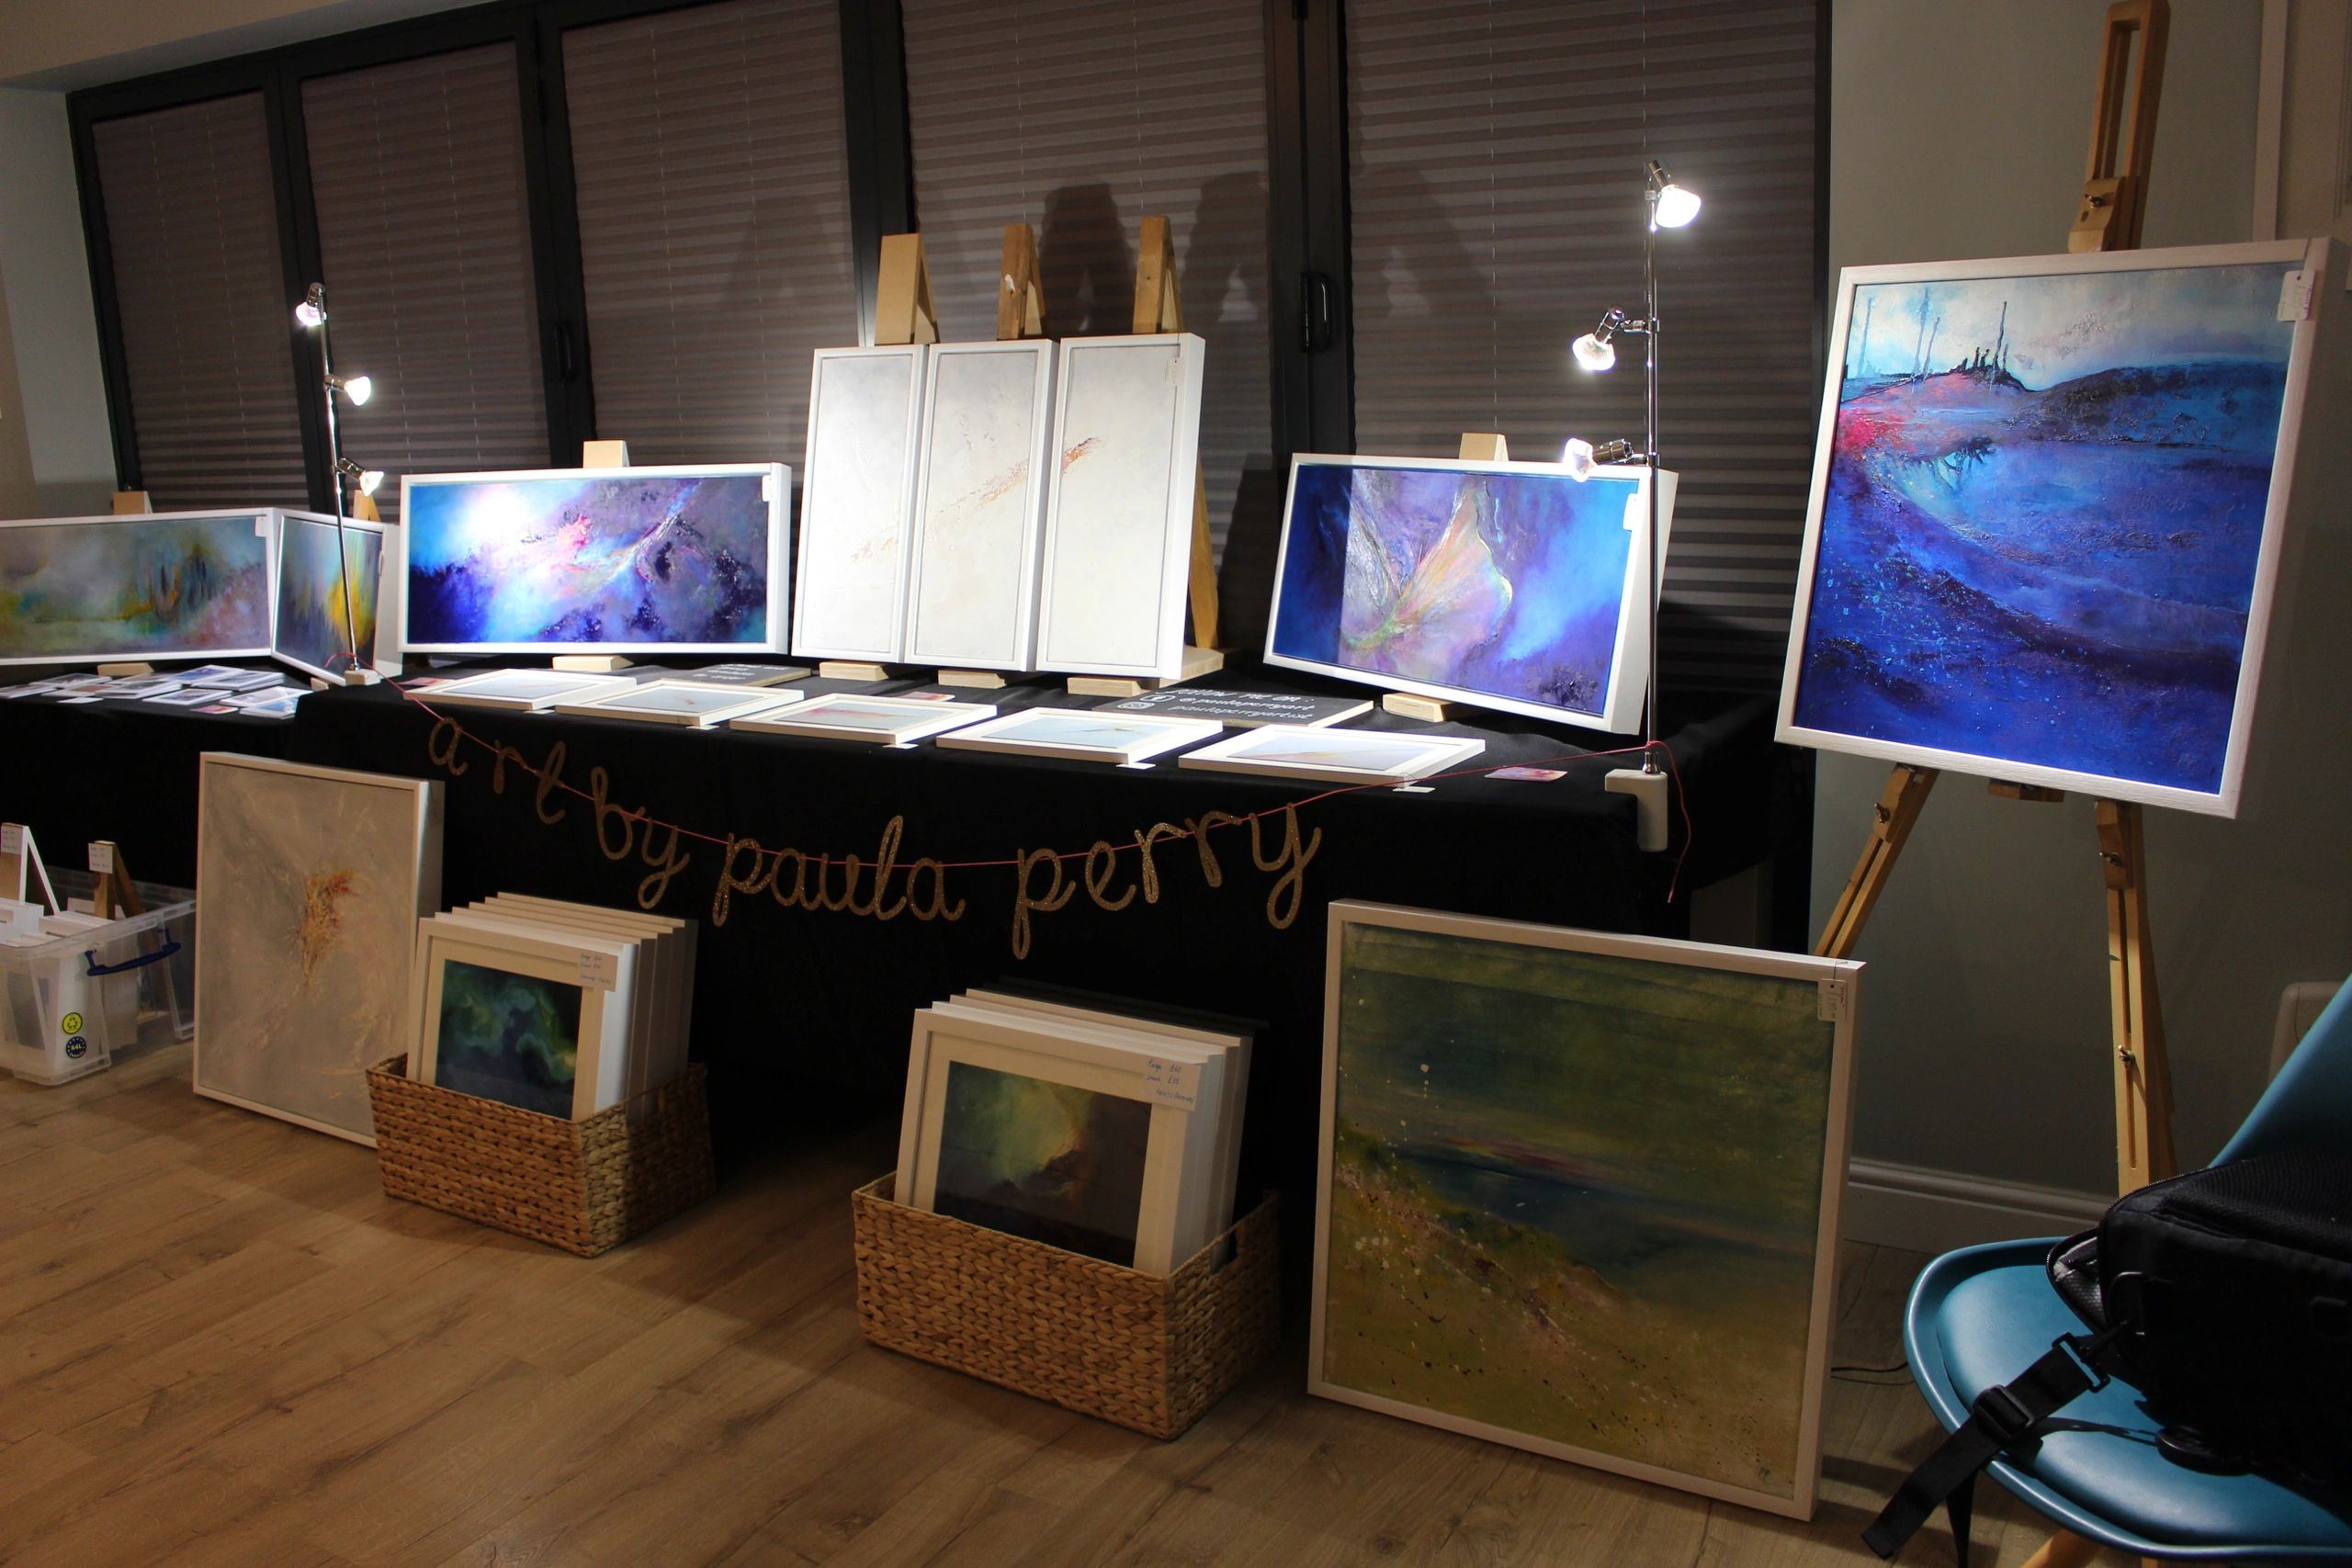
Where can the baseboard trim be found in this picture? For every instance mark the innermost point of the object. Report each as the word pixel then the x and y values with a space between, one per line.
pixel 1921 1209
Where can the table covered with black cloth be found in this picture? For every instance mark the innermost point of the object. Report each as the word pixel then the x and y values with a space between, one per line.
pixel 808 980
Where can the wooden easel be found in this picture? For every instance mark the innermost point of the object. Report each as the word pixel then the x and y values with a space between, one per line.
pixel 2109 218
pixel 1159 308
pixel 113 896
pixel 1477 447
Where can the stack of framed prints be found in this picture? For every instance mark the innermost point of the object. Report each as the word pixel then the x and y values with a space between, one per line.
pixel 857 502
pixel 1114 1137
pixel 1119 514
pixel 2045 519
pixel 1337 756
pixel 686 703
pixel 165 585
pixel 1579 1193
pixel 330 597
pixel 885 721
pixel 679 560
pixel 1083 735
pixel 1508 585
pixel 527 691
pixel 310 882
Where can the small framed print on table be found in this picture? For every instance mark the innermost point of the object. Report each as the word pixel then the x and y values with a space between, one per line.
pixel 686 703
pixel 1337 756
pixel 887 721
pixel 526 690
pixel 538 1023
pixel 1083 735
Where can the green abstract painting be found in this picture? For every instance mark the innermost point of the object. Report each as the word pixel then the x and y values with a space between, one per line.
pixel 1574 1198
pixel 508 1037
pixel 1048 1161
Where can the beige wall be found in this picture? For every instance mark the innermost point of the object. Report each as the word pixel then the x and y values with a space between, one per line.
pixel 1960 130
pixel 45 285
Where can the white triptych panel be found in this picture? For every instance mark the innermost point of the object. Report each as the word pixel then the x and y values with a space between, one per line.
pixel 857 502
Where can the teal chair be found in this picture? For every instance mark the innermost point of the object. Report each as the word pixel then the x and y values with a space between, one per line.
pixel 1981 1315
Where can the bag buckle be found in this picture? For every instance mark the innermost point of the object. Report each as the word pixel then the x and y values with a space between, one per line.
pixel 2001 1413
pixel 2083 1351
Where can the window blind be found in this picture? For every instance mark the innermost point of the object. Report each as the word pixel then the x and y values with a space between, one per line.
pixel 416 171
pixel 192 229
pixel 1082 119
pixel 1496 150
pixel 713 199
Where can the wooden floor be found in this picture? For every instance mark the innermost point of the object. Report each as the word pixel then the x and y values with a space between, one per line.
pixel 220 1343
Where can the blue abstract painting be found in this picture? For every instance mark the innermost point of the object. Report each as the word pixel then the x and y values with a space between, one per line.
pixel 2043 517
pixel 316 626
pixel 1495 586
pixel 649 560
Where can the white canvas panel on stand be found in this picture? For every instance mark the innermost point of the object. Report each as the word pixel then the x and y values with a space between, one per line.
pixel 319 620
pixel 980 505
pixel 857 502
pixel 155 585
pixel 1119 520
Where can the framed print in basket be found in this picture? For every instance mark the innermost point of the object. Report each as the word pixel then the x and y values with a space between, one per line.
pixel 1339 756
pixel 857 502
pixel 319 623
pixel 310 882
pixel 1578 1194
pixel 2045 517
pixel 540 1023
pixel 885 721
pixel 686 703
pixel 1083 735
pixel 679 560
pixel 1510 585
pixel 164 585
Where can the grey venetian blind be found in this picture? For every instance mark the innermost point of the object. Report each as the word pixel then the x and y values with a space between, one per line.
pixel 1495 170
pixel 1084 118
pixel 708 150
pixel 192 226
pixel 416 169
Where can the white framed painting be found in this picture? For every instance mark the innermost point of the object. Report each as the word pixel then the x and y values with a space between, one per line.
pixel 857 502
pixel 310 882
pixel 539 1024
pixel 526 691
pixel 1578 1193
pixel 980 505
pixel 687 704
pixel 2044 527
pixel 1337 756
pixel 331 587
pixel 1512 586
pixel 684 558
pixel 1083 735
pixel 1008 1107
pixel 887 721
pixel 160 585
pixel 1119 512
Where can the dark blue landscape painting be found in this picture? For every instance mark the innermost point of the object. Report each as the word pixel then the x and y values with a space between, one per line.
pixel 2042 519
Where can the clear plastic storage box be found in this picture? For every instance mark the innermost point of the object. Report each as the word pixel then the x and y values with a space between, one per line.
pixel 86 989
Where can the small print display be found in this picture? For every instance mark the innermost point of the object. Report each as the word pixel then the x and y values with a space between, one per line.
pixel 1082 735
pixel 1243 710
pixel 1509 585
pixel 683 703
pixel 1578 1194
pixel 889 721
pixel 2045 519
pixel 1341 756
pixel 857 502
pixel 172 584
pixel 526 690
pixel 316 626
pixel 612 560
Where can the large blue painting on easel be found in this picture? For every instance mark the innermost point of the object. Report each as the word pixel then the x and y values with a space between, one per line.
pixel 2044 518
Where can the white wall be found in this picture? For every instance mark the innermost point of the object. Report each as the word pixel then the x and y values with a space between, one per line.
pixel 1961 131
pixel 45 272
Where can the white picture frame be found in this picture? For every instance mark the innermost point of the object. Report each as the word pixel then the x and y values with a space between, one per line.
pixel 603 973
pixel 774 563
pixel 1549 488
pixel 857 502
pixel 687 704
pixel 114 549
pixel 882 721
pixel 663 1055
pixel 523 691
pixel 979 509
pixel 1083 735
pixel 1119 512
pixel 2061 720
pixel 1332 754
pixel 378 651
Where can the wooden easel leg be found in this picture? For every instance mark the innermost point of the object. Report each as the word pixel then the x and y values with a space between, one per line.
pixel 1891 821
pixel 2143 1076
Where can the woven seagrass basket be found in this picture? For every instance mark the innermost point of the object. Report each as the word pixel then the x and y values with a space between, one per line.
pixel 585 1186
pixel 1146 1351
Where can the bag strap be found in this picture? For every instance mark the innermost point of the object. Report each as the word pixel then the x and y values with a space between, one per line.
pixel 1999 1417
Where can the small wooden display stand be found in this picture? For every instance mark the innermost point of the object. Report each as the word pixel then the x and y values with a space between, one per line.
pixel 2109 220
pixel 131 504
pixel 1159 308
pixel 1477 447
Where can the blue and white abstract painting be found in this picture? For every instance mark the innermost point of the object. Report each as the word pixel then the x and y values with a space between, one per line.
pixel 2040 523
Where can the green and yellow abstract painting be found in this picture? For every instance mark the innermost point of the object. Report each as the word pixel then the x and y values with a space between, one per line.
pixel 1575 1197
pixel 1049 1161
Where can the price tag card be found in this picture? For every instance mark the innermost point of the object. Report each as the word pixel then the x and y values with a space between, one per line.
pixel 102 858
pixel 598 971
pixel 11 839
pixel 1176 1083
pixel 1834 1000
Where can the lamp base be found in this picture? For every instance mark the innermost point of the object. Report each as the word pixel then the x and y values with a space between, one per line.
pixel 1648 791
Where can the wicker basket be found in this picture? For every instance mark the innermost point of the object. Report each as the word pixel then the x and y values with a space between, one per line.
pixel 1147 1352
pixel 582 1186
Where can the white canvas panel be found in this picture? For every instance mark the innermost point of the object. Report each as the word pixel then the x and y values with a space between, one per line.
pixel 979 508
pixel 856 502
